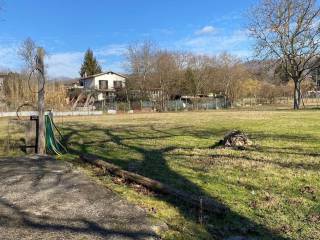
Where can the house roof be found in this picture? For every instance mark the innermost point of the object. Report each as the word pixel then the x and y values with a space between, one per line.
pixel 100 74
pixel 3 74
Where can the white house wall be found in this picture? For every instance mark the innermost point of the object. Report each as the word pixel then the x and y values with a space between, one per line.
pixel 110 78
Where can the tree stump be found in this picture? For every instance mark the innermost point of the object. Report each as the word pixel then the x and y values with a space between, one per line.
pixel 235 139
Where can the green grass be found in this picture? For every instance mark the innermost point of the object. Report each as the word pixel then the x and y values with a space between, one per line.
pixel 272 190
pixel 12 135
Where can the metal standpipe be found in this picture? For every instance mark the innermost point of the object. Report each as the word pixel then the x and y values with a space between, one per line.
pixel 36 119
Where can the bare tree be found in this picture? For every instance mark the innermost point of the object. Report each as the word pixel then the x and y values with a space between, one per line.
pixel 165 76
pixel 231 75
pixel 197 73
pixel 288 31
pixel 28 52
pixel 34 59
pixel 140 57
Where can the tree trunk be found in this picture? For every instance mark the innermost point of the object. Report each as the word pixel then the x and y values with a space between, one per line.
pixel 128 99
pixel 297 95
pixel 41 108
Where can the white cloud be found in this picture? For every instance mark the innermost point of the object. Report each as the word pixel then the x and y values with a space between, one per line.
pixel 117 66
pixel 205 30
pixel 9 58
pixel 111 50
pixel 65 64
pixel 235 42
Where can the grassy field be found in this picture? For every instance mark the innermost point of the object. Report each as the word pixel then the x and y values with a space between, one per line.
pixel 271 190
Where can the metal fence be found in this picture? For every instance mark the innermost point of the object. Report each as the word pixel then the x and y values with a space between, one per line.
pixel 182 105
pixel 172 105
pixel 35 113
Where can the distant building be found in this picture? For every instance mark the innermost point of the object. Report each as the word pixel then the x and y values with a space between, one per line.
pixel 105 83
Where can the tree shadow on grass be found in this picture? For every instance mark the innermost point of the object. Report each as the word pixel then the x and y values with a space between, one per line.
pixel 155 166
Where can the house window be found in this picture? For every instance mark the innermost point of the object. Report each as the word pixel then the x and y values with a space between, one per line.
pixel 117 84
pixel 85 83
pixel 103 84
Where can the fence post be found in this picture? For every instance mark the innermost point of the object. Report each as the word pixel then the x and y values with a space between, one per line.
pixel 41 102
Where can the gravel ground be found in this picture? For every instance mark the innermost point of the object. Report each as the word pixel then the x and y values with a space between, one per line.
pixel 42 198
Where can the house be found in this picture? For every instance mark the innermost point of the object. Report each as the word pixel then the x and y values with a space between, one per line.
pixel 105 84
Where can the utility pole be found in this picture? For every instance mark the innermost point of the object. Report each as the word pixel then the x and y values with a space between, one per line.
pixel 41 107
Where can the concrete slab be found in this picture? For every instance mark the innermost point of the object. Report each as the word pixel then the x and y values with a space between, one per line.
pixel 42 198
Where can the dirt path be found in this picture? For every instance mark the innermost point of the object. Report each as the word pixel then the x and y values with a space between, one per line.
pixel 41 198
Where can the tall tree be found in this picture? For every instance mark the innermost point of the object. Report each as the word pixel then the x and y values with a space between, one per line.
pixel 190 81
pixel 90 65
pixel 141 61
pixel 288 31
pixel 27 52
pixel 165 74
pixel 232 75
pixel 197 73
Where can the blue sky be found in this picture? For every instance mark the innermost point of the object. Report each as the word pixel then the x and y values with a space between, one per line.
pixel 67 28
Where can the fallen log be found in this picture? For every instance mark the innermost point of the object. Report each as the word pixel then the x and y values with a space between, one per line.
pixel 204 203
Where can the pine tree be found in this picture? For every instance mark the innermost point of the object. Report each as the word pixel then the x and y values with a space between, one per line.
pixel 90 65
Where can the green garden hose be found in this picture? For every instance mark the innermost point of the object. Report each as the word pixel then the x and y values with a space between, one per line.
pixel 53 145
